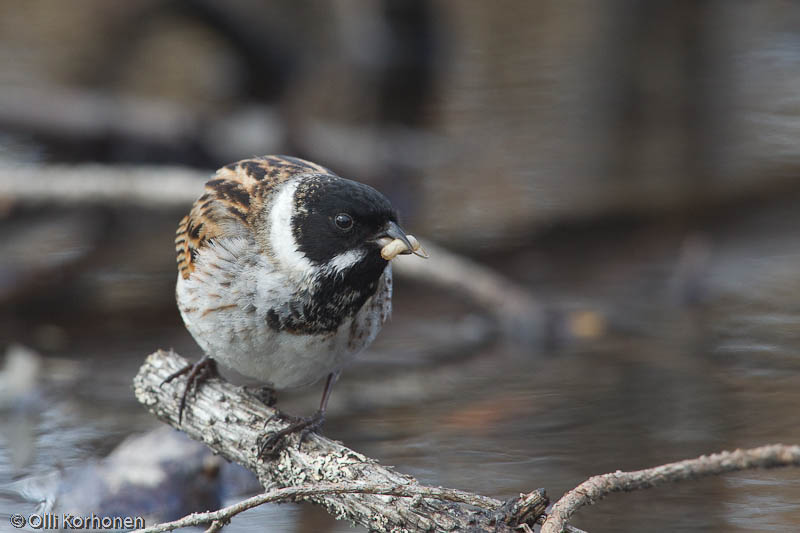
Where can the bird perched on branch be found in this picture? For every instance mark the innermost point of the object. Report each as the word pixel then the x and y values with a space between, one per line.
pixel 284 274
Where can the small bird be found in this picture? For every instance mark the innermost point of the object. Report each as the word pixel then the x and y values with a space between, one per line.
pixel 284 275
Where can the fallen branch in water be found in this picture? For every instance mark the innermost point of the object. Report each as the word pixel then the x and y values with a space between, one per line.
pixel 520 315
pixel 597 487
pixel 221 516
pixel 349 485
pixel 151 187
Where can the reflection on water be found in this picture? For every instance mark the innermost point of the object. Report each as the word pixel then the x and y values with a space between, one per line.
pixel 668 380
pixel 540 114
pixel 525 421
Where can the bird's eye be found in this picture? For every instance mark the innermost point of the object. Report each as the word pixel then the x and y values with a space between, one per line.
pixel 343 221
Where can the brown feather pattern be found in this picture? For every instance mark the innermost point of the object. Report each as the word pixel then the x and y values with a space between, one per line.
pixel 235 194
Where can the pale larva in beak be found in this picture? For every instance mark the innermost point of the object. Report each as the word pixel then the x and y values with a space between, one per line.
pixel 400 247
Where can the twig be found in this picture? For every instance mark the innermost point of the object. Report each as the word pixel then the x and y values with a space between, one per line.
pixel 93 184
pixel 231 421
pixel 356 488
pixel 567 528
pixel 407 491
pixel 521 512
pixel 597 487
pixel 522 316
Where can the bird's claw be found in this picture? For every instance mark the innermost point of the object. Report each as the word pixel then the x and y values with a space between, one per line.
pixel 198 372
pixel 270 445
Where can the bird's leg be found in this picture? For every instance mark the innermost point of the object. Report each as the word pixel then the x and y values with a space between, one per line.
pixel 198 372
pixel 274 443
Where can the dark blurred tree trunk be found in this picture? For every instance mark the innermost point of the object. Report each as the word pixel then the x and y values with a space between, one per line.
pixel 660 96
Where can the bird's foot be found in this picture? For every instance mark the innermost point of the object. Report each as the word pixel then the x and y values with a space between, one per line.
pixel 198 372
pixel 270 445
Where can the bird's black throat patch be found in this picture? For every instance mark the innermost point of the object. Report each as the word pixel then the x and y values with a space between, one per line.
pixel 334 298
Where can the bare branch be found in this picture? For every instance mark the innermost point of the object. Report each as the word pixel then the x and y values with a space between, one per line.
pixel 289 493
pixel 230 421
pixel 597 487
pixel 88 184
pixel 522 316
pixel 354 487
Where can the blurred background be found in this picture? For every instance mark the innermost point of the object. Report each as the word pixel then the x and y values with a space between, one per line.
pixel 629 167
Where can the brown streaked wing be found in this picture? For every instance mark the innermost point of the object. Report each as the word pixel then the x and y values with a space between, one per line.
pixel 236 192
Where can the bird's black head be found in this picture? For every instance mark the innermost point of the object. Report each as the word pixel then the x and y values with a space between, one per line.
pixel 337 223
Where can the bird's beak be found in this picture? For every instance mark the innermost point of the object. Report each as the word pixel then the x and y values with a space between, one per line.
pixel 394 241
